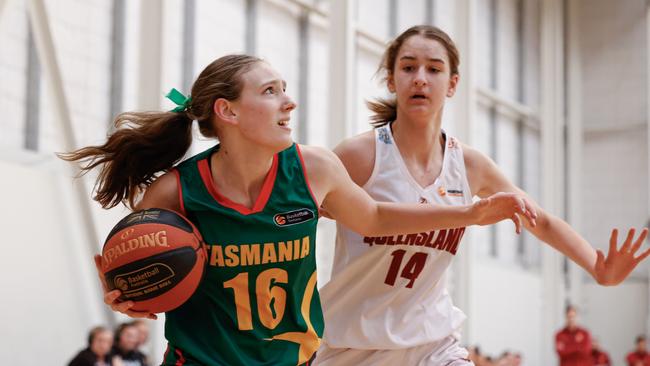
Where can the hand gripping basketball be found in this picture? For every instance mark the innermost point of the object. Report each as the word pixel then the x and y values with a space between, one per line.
pixel 152 262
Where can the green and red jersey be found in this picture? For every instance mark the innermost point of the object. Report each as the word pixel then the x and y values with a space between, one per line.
pixel 257 303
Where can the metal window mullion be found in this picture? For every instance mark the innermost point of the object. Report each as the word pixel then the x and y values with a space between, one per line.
pixel 32 95
pixel 251 26
pixel 521 90
pixel 189 31
pixel 342 61
pixel 574 140
pixel 303 76
pixel 392 18
pixel 552 150
pixel 117 61
pixel 429 13
pixel 494 82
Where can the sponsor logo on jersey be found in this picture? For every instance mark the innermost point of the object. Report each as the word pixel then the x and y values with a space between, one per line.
pixel 446 239
pixel 452 144
pixel 234 255
pixel 382 135
pixel 442 191
pixel 293 217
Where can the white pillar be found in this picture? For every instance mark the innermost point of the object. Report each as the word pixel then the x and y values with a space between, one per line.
pixel 342 57
pixel 52 72
pixel 552 122
pixel 149 98
pixel 464 113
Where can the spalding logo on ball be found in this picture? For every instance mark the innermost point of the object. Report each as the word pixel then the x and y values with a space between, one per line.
pixel 156 258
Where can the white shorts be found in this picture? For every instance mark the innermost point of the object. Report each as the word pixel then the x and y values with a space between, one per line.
pixel 445 352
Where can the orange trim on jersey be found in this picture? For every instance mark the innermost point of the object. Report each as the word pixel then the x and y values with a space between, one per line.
pixel 304 173
pixel 180 190
pixel 262 199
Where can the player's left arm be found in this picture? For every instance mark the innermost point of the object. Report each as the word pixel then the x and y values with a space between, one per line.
pixel 353 207
pixel 485 179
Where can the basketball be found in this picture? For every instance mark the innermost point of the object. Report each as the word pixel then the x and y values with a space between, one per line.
pixel 156 258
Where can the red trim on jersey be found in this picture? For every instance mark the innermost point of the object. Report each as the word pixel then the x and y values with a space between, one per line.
pixel 262 199
pixel 304 173
pixel 180 190
pixel 181 358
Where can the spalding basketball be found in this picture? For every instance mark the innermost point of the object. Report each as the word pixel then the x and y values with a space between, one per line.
pixel 156 258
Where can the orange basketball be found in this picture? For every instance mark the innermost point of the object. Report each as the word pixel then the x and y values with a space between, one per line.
pixel 156 258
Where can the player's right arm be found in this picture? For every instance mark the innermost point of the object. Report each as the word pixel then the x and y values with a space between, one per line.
pixel 485 178
pixel 162 193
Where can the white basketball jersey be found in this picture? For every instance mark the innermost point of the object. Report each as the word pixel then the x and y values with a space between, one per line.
pixel 389 292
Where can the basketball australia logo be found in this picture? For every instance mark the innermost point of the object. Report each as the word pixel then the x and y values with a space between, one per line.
pixel 293 217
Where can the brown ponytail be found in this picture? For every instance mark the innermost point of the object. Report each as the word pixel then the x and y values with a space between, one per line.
pixel 385 110
pixel 147 143
pixel 144 144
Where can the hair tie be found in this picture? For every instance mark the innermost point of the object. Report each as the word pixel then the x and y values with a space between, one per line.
pixel 182 102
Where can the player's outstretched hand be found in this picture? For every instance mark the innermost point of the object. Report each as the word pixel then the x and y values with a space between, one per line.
pixel 619 263
pixel 111 297
pixel 502 206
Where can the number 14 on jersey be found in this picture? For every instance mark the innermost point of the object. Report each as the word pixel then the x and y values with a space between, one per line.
pixel 411 270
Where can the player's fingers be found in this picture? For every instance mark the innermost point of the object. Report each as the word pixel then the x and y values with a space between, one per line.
pixel 639 241
pixel 111 296
pixel 98 264
pixel 515 218
pixel 530 208
pixel 123 307
pixel 529 213
pixel 628 241
pixel 613 241
pixel 520 207
pixel 600 261
pixel 643 255
pixel 141 314
pixel 483 202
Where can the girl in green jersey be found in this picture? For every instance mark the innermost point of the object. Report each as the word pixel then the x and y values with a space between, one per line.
pixel 255 198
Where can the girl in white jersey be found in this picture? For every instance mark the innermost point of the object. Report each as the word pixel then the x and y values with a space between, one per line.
pixel 386 303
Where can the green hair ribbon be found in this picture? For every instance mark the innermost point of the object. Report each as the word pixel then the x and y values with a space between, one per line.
pixel 182 102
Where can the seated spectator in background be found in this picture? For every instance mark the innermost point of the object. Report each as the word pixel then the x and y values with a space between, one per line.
pixel 125 345
pixel 143 331
pixel 640 356
pixel 100 341
pixel 474 354
pixel 600 357
pixel 572 343
pixel 509 359
pixel 488 361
